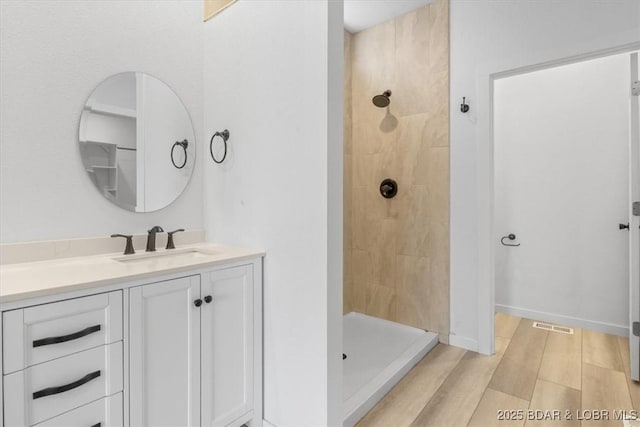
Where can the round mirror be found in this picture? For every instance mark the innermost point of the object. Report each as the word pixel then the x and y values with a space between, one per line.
pixel 137 142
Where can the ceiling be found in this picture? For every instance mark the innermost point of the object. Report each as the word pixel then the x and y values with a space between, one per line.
pixel 361 14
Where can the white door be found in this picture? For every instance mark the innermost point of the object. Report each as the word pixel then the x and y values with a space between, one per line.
pixel 165 353
pixel 634 220
pixel 227 345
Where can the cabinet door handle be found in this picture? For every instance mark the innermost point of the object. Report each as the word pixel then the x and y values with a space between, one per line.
pixel 208 299
pixel 198 302
pixel 61 389
pixel 97 425
pixel 65 338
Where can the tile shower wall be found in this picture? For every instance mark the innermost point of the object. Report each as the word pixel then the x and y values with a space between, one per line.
pixel 397 250
pixel 347 175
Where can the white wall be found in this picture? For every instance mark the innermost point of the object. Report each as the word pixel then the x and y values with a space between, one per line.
pixel 561 141
pixel 273 77
pixel 489 35
pixel 52 55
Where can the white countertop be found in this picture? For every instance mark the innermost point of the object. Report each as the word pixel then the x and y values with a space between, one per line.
pixel 35 279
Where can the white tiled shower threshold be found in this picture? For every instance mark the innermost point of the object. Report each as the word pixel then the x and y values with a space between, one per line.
pixel 379 353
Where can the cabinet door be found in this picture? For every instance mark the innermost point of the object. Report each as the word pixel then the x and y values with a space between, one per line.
pixel 227 345
pixel 165 353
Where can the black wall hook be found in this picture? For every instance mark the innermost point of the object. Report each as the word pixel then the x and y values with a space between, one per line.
pixel 464 107
pixel 510 237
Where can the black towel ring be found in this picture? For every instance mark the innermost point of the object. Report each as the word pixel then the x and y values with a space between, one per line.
pixel 184 144
pixel 225 136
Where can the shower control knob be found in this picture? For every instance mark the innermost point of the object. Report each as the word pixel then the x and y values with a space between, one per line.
pixel 388 188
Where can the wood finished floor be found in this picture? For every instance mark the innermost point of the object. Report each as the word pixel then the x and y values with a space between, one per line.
pixel 532 369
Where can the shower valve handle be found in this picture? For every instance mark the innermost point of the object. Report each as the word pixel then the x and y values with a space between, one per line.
pixel 388 188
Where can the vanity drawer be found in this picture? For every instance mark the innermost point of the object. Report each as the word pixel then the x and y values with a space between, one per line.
pixel 45 332
pixel 49 389
pixel 105 412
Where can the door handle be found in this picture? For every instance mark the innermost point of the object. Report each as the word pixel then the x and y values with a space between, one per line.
pixel 623 226
pixel 208 299
pixel 198 302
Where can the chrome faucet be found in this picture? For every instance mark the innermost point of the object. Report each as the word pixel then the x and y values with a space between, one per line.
pixel 151 237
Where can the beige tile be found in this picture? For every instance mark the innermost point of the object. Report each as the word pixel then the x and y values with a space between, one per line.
pixel 486 414
pixel 506 325
pixel 357 296
pixel 604 389
pixel 516 375
pixel 405 401
pixel 455 401
pixel 554 405
pixel 443 338
pixel 601 350
pixel 347 271
pixel 413 291
pixel 413 225
pixel 364 170
pixel 382 251
pixel 408 145
pixel 373 70
pixel 347 306
pixel 347 215
pixel 381 302
pixel 438 184
pixel 359 220
pixel 362 266
pixel 634 386
pixel 436 130
pixel 562 359
pixel 368 138
pixel 347 89
pixel 438 308
pixel 421 58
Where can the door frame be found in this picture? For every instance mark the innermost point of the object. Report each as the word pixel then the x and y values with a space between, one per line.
pixel 486 76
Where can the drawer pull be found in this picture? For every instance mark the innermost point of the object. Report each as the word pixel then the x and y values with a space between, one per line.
pixel 65 338
pixel 61 389
pixel 97 425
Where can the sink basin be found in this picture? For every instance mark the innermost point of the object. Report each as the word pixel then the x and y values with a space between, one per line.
pixel 185 254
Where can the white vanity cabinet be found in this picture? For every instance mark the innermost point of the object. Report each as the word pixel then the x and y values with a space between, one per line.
pixel 192 350
pixel 61 357
pixel 228 354
pixel 176 349
pixel 164 351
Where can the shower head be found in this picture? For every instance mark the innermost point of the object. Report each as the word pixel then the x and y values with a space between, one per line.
pixel 383 100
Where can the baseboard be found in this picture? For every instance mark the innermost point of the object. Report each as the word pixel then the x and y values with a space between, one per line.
pixel 560 319
pixel 463 342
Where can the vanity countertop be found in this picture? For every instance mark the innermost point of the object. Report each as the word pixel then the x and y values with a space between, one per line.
pixel 42 278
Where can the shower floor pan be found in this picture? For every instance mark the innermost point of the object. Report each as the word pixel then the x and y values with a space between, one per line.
pixel 379 353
